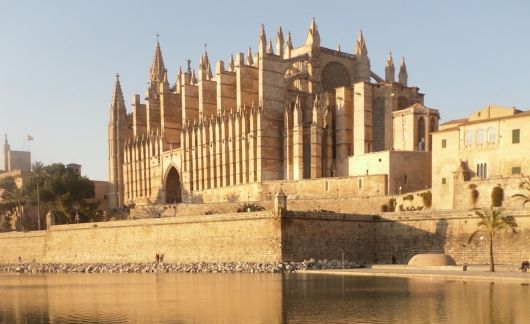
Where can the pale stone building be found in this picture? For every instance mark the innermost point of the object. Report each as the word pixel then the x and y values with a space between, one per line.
pixel 15 160
pixel 487 149
pixel 284 113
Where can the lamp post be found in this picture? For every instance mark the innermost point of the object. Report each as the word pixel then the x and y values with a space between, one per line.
pixel 481 249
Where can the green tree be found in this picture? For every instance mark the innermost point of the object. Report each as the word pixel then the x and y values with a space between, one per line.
pixel 7 207
pixel 17 198
pixel 61 191
pixel 491 222
pixel 38 175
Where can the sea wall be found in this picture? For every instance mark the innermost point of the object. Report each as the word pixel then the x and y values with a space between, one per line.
pixel 264 237
pixel 327 235
pixel 216 238
pixel 403 235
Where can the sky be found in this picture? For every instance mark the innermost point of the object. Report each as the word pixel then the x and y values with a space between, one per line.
pixel 58 59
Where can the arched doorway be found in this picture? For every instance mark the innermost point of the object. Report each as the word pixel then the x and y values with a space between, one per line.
pixel 173 190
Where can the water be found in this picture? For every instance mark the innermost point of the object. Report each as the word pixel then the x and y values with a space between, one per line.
pixel 256 298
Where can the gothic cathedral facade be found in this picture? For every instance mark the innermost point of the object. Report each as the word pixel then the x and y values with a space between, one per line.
pixel 284 113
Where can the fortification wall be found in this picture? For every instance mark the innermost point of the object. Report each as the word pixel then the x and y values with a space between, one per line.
pixel 463 192
pixel 335 187
pixel 405 234
pixel 354 205
pixel 316 235
pixel 29 246
pixel 261 237
pixel 218 238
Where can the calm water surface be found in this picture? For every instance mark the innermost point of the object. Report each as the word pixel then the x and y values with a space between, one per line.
pixel 256 298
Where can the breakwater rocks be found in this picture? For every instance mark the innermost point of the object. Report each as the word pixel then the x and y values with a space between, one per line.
pixel 153 267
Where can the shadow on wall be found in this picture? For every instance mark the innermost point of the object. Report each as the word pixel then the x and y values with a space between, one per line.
pixel 362 238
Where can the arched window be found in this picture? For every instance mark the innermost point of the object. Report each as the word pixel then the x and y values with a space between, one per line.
pixel 479 136
pixel 492 135
pixel 421 134
pixel 468 139
pixel 432 128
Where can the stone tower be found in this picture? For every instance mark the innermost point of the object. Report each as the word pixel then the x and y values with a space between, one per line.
pixel 118 131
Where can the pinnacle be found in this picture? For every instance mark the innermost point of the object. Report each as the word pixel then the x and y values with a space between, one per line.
pixel 360 47
pixel 250 60
pixel 403 65
pixel 313 26
pixel 117 95
pixel 390 60
pixel 262 31
pixel 157 67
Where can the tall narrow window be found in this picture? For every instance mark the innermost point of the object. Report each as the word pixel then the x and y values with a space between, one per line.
pixel 479 136
pixel 515 136
pixel 421 134
pixel 444 143
pixel 468 139
pixel 492 135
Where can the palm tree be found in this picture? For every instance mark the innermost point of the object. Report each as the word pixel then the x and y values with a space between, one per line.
pixel 525 185
pixel 491 222
pixel 38 171
pixel 17 197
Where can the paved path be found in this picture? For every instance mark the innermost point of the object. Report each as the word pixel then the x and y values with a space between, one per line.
pixel 504 274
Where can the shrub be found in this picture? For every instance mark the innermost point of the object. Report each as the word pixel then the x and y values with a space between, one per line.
pixel 231 197
pixel 384 208
pixel 497 196
pixel 401 208
pixel 474 196
pixel 427 199
pixel 391 205
pixel 210 212
pixel 409 197
pixel 249 207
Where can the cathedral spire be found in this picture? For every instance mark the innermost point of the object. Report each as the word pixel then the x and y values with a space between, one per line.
pixel 390 70
pixel 279 42
pixel 360 47
pixel 157 67
pixel 262 41
pixel 313 36
pixel 403 75
pixel 205 68
pixel 117 104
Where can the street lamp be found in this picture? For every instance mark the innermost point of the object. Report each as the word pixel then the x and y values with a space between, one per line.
pixel 481 249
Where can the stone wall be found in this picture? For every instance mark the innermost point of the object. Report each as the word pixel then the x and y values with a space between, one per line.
pixel 463 192
pixel 29 246
pixel 405 234
pixel 335 187
pixel 316 235
pixel 230 237
pixel 262 237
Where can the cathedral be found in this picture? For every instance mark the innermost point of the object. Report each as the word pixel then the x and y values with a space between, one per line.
pixel 284 113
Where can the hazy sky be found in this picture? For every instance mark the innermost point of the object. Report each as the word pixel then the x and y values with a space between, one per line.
pixel 58 58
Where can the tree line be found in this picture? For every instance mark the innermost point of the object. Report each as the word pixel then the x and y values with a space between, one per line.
pixel 52 189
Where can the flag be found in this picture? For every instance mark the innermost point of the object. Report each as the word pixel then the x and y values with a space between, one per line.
pixel 30 138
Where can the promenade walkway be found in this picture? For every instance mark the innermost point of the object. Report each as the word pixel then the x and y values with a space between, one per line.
pixel 502 274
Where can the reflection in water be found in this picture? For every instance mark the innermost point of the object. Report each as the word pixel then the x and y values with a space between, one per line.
pixel 255 298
